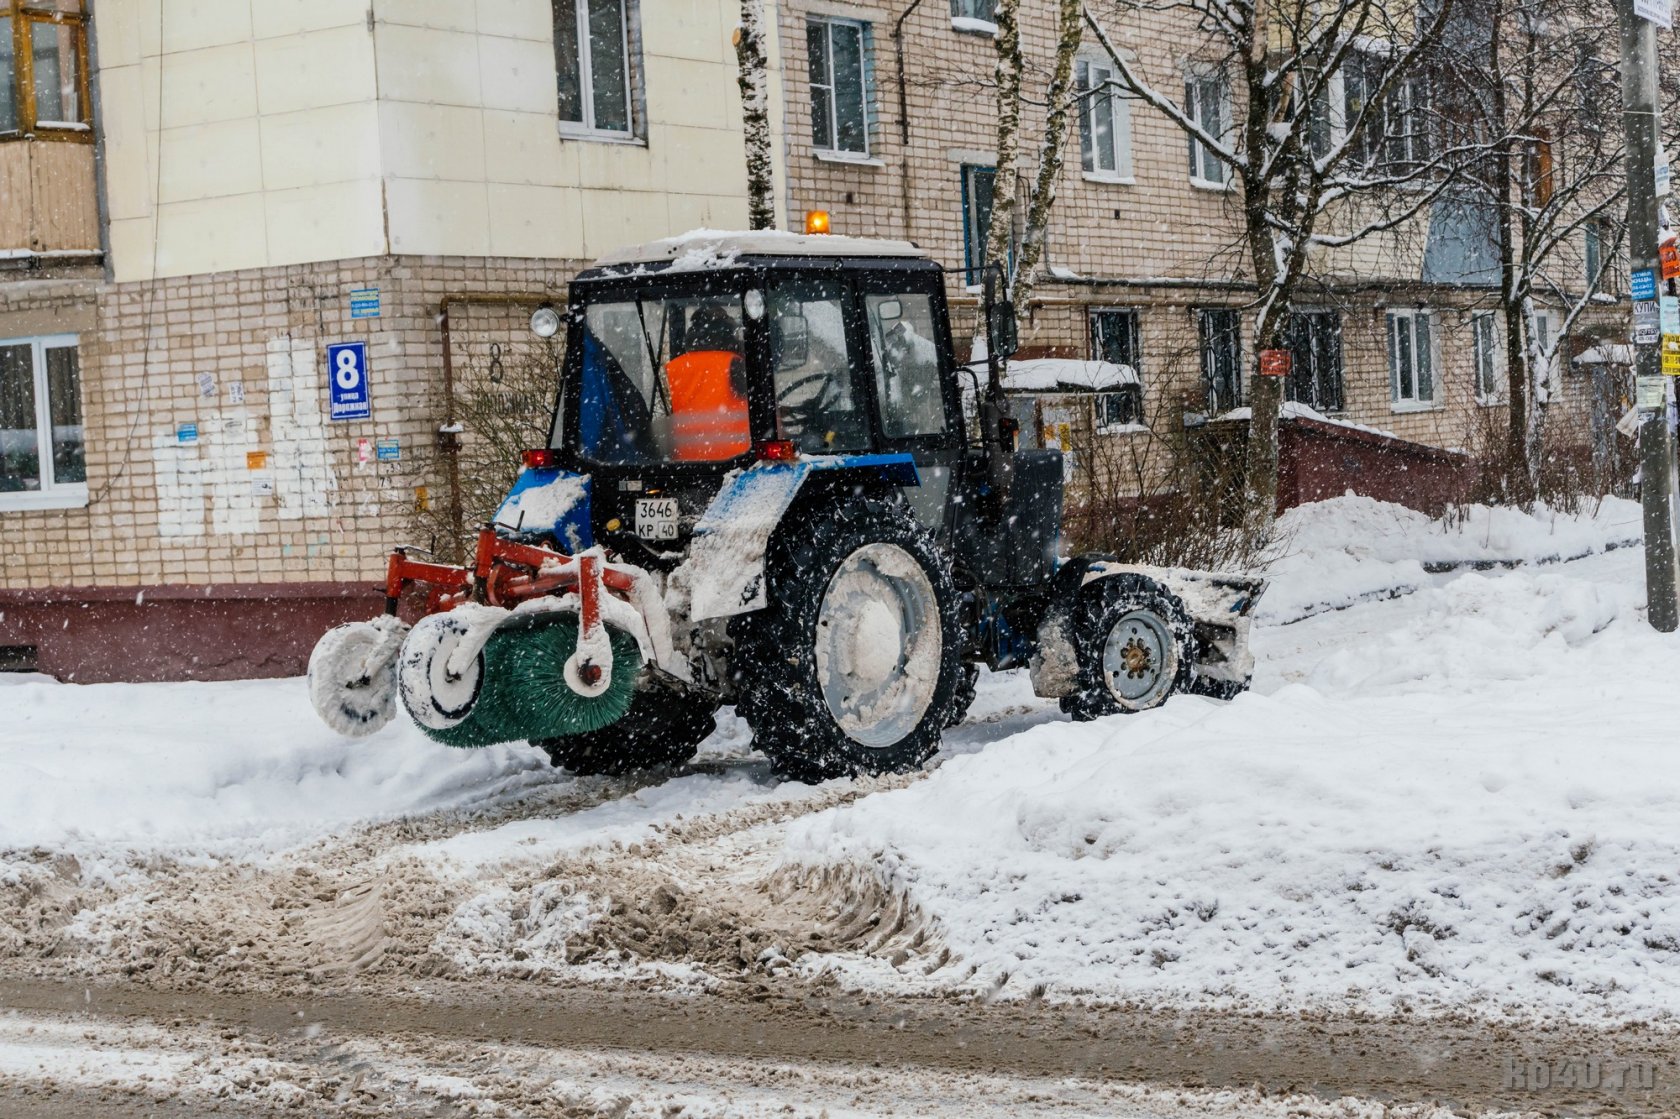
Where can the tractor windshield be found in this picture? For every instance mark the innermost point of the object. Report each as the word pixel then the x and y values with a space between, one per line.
pixel 663 380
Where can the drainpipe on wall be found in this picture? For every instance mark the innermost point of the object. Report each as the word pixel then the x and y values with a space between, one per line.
pixel 903 115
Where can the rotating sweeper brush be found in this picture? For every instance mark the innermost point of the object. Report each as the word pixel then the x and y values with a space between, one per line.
pixel 528 643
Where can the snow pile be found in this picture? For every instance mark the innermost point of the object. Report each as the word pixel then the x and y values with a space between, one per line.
pixel 231 767
pixel 1055 374
pixel 1352 549
pixel 1463 799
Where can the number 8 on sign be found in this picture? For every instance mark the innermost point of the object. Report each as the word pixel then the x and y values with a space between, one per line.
pixel 348 384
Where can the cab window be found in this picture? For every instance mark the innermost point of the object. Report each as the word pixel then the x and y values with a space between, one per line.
pixel 816 405
pixel 901 337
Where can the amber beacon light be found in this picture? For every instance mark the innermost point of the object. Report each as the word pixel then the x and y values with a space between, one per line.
pixel 816 221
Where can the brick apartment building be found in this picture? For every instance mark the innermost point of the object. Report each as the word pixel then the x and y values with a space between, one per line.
pixel 1144 261
pixel 197 200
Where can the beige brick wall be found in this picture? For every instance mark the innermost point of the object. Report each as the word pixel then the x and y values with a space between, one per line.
pixel 164 512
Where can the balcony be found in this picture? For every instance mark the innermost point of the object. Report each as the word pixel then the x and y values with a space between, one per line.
pixel 48 195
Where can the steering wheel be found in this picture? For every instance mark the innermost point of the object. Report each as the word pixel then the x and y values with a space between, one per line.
pixel 810 414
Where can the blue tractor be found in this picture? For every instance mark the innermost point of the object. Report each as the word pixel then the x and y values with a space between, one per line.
pixel 771 484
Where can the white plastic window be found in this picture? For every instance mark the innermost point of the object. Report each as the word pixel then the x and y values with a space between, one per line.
pixel 42 457
pixel 1484 352
pixel 1105 122
pixel 1411 358
pixel 1207 101
pixel 592 55
pixel 839 59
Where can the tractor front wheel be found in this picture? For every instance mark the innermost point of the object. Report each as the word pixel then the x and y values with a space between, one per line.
pixel 855 665
pixel 1135 645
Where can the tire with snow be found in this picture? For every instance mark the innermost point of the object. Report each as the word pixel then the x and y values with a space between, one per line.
pixel 353 675
pixel 968 681
pixel 1135 645
pixel 854 666
pixel 658 730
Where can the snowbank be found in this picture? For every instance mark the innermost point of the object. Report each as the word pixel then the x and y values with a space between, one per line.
pixel 233 767
pixel 1460 800
pixel 1053 374
pixel 1350 549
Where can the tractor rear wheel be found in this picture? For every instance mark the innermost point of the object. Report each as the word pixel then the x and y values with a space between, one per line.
pixel 1135 645
pixel 658 730
pixel 854 666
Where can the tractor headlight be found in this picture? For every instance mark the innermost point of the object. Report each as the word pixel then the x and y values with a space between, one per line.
pixel 545 321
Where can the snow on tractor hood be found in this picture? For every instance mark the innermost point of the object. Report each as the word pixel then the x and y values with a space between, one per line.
pixel 724 572
pixel 547 499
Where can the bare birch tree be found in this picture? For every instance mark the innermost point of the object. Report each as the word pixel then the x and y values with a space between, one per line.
pixel 754 80
pixel 1315 168
pixel 1021 267
pixel 1533 79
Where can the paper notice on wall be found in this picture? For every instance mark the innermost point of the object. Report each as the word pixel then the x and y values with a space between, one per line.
pixel 1659 12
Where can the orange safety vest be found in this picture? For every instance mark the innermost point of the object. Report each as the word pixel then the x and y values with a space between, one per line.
pixel 708 418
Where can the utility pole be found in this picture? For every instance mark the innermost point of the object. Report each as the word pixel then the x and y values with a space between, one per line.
pixel 1656 442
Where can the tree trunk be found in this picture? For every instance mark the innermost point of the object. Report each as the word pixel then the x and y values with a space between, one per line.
pixel 754 81
pixel 1009 67
pixel 1070 29
pixel 1515 476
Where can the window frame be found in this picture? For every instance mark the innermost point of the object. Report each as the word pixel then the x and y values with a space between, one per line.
pixel 1430 355
pixel 634 113
pixel 973 24
pixel 53 494
pixel 1110 95
pixel 831 150
pixel 1298 332
pixel 1486 352
pixel 1206 336
pixel 1135 315
pixel 975 238
pixel 1197 79
pixel 24 16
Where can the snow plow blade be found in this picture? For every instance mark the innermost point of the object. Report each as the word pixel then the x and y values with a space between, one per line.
pixel 1219 609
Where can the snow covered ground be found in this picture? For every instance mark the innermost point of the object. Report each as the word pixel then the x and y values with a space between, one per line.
pixel 1449 789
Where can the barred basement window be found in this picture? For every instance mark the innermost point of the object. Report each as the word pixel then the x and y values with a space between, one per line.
pixel 43 70
pixel 1116 337
pixel 1220 331
pixel 593 41
pixel 41 439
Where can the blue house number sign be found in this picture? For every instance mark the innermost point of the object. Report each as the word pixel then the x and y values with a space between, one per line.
pixel 347 378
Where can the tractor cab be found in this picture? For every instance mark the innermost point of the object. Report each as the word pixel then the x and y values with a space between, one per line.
pixel 691 357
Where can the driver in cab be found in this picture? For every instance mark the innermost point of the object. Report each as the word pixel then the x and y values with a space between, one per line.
pixel 708 390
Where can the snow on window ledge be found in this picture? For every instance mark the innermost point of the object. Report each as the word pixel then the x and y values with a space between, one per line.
pixel 570 131
pixel 1399 406
pixel 1208 184
pixel 1490 401
pixel 59 497
pixel 856 159
pixel 968 25
pixel 1108 177
pixel 1123 429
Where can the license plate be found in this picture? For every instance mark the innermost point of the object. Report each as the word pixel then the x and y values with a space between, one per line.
pixel 656 518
